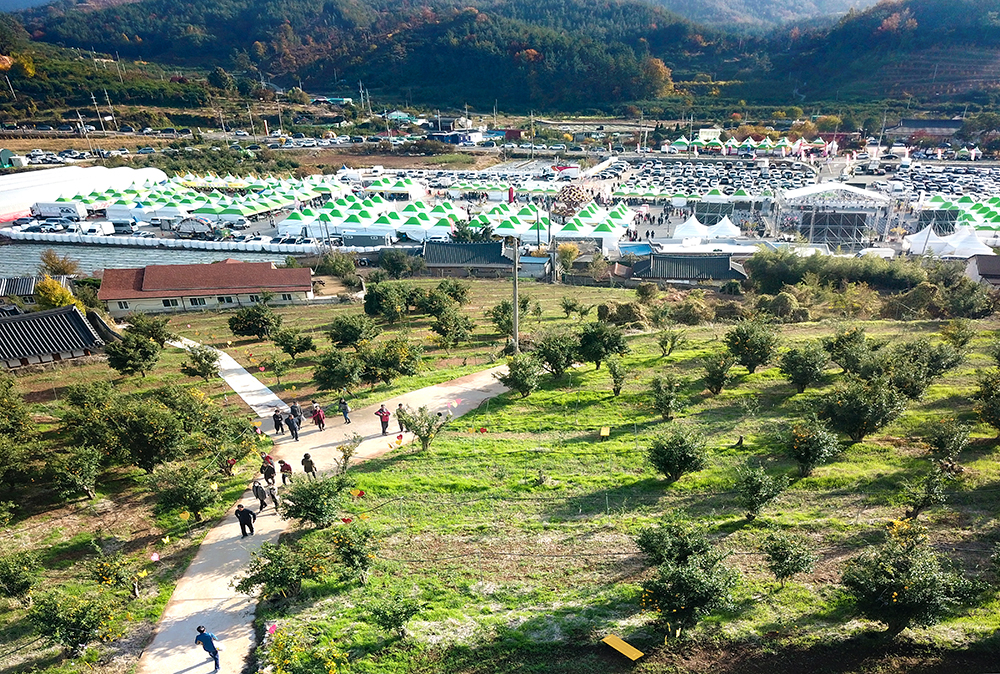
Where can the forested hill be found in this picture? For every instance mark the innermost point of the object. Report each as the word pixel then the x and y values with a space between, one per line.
pixel 553 53
pixel 758 14
pixel 916 47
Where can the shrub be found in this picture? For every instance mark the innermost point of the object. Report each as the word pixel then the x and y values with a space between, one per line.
pixel 336 263
pixel 646 292
pixel 782 305
pixel 987 397
pixel 179 486
pixel 313 501
pixel 811 444
pixel 755 489
pixel 435 303
pixel 19 573
pixel 557 351
pixel 566 255
pixel 397 263
pixel 391 301
pixel 389 360
pixel 455 289
pixel 902 582
pixel 850 347
pixel 337 371
pixel 293 342
pixel 76 472
pixel 352 330
pixel 858 408
pixel 502 314
pixel 672 540
pixel 670 340
pixel 967 299
pixel 424 424
pixel 947 439
pixel 134 354
pixel 676 453
pixel 73 620
pixel 570 305
pixel 204 362
pixel 393 612
pixel 804 365
pixel 347 449
pixel 693 310
pixel 752 343
pixel 150 327
pixel 786 556
pixel 523 372
pixel 598 341
pixel 682 594
pixel 618 372
pixel 115 571
pixel 927 492
pixel 958 332
pixel 452 327
pixel 13 456
pixel 257 320
pixel 278 570
pixel 626 314
pixel 717 371
pixel 15 422
pixel 355 547
pixel 666 399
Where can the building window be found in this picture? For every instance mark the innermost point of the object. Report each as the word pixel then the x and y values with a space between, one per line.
pixel 255 299
pixel 197 301
pixel 286 297
pixel 28 299
pixel 122 305
pixel 170 303
pixel 225 299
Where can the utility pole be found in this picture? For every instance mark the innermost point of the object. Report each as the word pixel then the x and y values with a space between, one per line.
pixel 86 135
pixel 99 117
pixel 253 130
pixel 111 109
pixel 517 260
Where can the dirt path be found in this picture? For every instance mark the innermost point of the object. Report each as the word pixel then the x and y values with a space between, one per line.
pixel 203 595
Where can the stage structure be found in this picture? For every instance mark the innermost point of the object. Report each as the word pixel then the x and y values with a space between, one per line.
pixel 838 215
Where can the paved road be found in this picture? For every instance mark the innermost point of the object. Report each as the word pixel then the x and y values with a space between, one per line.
pixel 203 595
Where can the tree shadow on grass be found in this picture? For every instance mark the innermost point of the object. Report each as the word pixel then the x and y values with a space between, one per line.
pixel 611 501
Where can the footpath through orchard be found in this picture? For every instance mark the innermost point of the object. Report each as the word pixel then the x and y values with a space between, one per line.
pixel 203 595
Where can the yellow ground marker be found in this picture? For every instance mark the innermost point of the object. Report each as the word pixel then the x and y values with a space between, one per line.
pixel 605 432
pixel 625 649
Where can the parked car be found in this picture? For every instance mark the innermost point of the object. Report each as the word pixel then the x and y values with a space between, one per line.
pixel 146 150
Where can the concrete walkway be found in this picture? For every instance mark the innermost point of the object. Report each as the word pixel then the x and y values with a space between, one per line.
pixel 260 398
pixel 203 595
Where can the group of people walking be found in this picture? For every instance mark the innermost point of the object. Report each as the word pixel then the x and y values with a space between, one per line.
pixel 269 490
pixel 294 418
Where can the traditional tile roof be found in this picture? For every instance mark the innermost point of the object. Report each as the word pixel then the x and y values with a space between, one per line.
pixel 24 286
pixel 987 267
pixel 229 277
pixel 45 332
pixel 690 268
pixel 437 254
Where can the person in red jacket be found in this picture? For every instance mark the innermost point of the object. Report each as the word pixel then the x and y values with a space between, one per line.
pixel 383 415
pixel 319 417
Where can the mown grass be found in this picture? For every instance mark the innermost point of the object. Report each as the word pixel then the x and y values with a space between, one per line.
pixel 515 530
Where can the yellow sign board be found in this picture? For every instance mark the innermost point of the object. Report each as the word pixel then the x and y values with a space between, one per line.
pixel 625 649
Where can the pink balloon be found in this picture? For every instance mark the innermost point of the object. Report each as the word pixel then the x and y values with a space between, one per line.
pixel 155 557
pixel 272 629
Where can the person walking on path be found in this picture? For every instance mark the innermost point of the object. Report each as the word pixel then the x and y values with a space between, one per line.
pixel 309 466
pixel 286 472
pixel 279 427
pixel 383 415
pixel 399 420
pixel 273 493
pixel 246 518
pixel 260 494
pixel 319 418
pixel 267 470
pixel 296 412
pixel 344 409
pixel 293 426
pixel 207 641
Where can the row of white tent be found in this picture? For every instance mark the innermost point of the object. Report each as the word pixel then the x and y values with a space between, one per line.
pixel 963 243
pixel 693 229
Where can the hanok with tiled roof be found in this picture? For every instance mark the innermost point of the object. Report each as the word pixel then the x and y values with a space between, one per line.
pixel 690 268
pixel 46 336
pixel 195 287
pixel 23 287
pixel 467 259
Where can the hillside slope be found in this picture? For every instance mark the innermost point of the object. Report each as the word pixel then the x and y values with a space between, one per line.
pixel 758 14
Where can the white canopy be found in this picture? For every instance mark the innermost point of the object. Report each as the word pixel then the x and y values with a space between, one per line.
pixel 965 243
pixel 724 229
pixel 925 241
pixel 820 188
pixel 691 228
